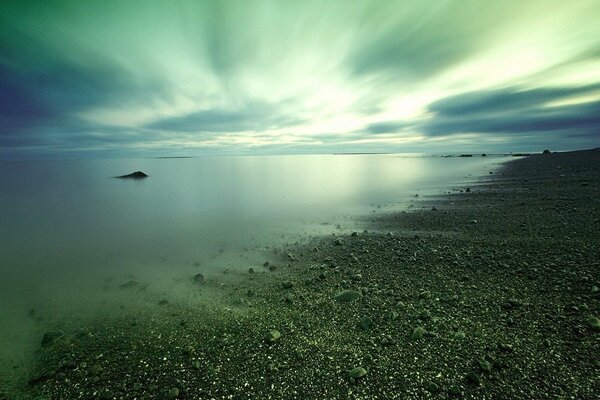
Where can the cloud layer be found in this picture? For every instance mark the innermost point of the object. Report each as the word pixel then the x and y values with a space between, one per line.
pixel 185 77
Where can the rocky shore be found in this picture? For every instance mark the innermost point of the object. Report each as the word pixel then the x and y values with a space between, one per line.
pixel 490 292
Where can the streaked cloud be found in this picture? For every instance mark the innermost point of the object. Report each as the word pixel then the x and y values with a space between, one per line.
pixel 180 77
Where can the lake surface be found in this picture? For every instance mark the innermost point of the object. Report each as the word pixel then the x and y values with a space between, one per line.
pixel 68 227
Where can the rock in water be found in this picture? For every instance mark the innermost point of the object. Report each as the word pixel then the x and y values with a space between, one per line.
pixel 199 279
pixel 347 296
pixel 51 337
pixel 134 175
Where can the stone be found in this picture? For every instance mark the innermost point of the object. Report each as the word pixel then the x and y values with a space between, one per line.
pixel 472 379
pixel 594 289
pixel 357 373
pixel 339 242
pixel 134 175
pixel 473 221
pixel 433 387
pixel 173 393
pixel 199 279
pixel 189 351
pixel 392 315
pixel 250 270
pixel 346 296
pixel 129 284
pixel 454 390
pixel 418 333
pixel 50 338
pixel 459 335
pixel 366 323
pixel 485 366
pixel 107 395
pixel 424 294
pixel 287 285
pixel 594 323
pixel 273 336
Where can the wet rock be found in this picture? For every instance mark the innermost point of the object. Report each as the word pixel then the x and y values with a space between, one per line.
pixel 594 289
pixel 287 285
pixel 594 323
pixel 173 393
pixel 129 284
pixel 347 296
pixel 433 387
pixel 485 366
pixel 338 242
pixel 199 279
pixel 50 338
pixel 357 373
pixel 392 316
pixel 418 333
pixel 273 336
pixel 454 390
pixel 424 294
pixel 250 270
pixel 473 221
pixel 459 335
pixel 356 277
pixel 472 379
pixel 189 351
pixel 366 323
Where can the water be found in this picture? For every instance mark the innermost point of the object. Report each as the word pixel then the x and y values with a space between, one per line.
pixel 68 229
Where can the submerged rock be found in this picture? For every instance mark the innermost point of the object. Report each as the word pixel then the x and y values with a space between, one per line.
pixel 199 279
pixel 134 175
pixel 50 337
pixel 129 284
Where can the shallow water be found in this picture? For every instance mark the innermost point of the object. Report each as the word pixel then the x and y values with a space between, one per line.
pixel 69 230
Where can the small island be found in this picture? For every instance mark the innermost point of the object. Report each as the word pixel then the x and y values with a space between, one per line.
pixel 134 175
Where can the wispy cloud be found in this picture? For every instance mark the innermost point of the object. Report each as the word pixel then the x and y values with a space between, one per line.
pixel 310 76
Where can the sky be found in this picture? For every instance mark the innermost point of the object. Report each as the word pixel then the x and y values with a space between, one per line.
pixel 185 78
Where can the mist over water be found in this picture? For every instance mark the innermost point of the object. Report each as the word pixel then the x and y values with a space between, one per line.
pixel 70 231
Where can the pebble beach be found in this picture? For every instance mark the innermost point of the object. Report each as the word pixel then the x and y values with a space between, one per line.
pixel 487 292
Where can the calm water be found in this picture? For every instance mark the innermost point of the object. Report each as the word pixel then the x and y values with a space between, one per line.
pixel 67 228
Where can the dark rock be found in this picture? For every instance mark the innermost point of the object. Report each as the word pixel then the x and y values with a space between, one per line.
pixel 473 379
pixel 546 151
pixel 357 373
pixel 173 393
pixel 134 175
pixel 50 337
pixel 366 323
pixel 594 323
pixel 287 285
pixel 129 284
pixel 418 333
pixel 199 279
pixel 347 296
pixel 273 336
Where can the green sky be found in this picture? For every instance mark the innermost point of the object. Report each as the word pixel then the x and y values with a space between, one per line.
pixel 188 77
